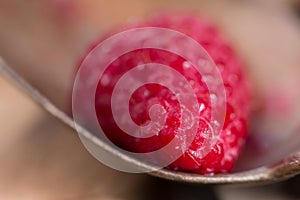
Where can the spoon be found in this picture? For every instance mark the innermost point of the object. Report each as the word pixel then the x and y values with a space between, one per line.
pixel 280 170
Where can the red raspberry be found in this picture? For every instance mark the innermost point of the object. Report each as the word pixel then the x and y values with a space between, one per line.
pixel 222 157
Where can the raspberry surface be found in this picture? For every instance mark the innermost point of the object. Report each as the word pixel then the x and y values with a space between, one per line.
pixel 225 152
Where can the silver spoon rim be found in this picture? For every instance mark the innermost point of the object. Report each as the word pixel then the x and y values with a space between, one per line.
pixel 287 167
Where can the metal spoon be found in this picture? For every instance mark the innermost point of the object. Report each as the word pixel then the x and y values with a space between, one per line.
pixel 285 168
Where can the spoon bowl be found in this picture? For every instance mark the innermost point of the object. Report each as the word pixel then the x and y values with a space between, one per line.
pixel 277 171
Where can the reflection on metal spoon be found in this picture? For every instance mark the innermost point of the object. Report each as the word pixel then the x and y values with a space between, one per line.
pixel 287 167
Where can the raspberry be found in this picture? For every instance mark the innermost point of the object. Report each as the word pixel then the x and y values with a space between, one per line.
pixel 225 152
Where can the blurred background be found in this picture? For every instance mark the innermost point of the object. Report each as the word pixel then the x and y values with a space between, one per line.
pixel 43 40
